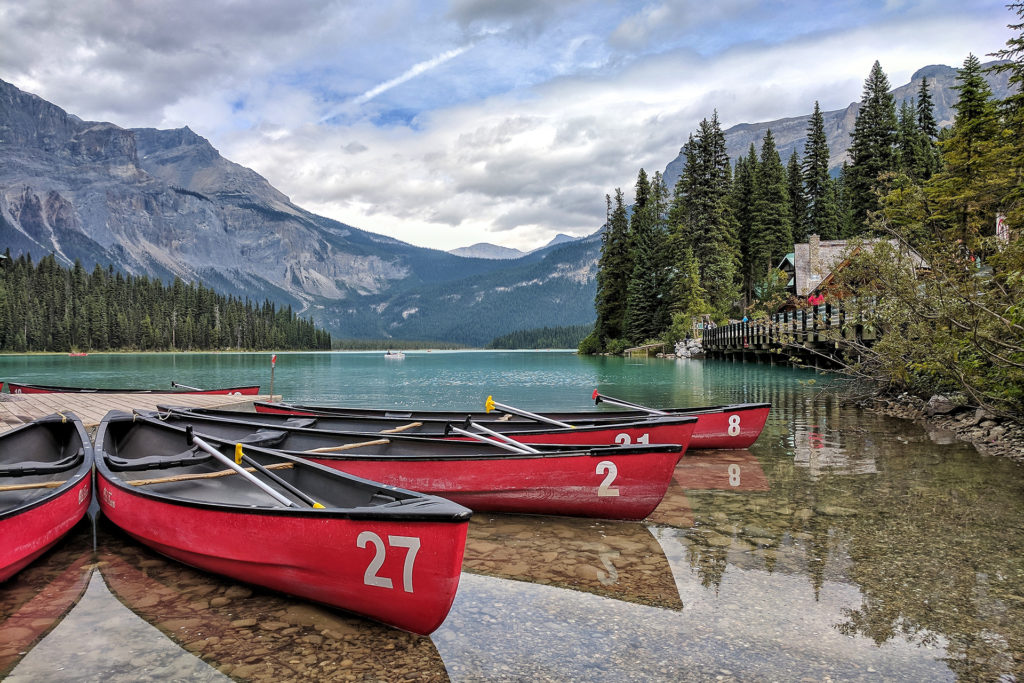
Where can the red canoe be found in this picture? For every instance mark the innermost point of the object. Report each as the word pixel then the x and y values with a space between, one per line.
pixel 382 552
pixel 15 388
pixel 729 426
pixel 609 482
pixel 44 487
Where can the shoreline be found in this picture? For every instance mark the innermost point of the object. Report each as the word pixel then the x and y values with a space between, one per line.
pixel 989 434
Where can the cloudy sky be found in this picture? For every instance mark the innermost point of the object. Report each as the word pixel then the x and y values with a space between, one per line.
pixel 449 123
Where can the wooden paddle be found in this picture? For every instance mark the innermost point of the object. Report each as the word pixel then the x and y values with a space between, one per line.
pixel 39 485
pixel 349 446
pixel 396 430
pixel 204 475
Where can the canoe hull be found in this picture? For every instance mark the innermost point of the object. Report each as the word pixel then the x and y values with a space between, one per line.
pixel 39 505
pixel 31 533
pixel 16 388
pixel 604 485
pixel 328 560
pixel 729 426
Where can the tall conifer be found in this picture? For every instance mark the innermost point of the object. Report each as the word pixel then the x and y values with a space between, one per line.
pixel 872 152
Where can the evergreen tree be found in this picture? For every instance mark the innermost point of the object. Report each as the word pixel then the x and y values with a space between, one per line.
pixel 646 307
pixel 614 269
pixel 771 227
pixel 968 189
pixel 742 201
pixel 797 199
pixel 872 152
pixel 702 218
pixel 820 218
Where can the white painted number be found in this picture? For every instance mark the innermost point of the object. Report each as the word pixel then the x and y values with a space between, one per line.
pixel 734 475
pixel 370 577
pixel 605 489
pixel 734 425
pixel 624 440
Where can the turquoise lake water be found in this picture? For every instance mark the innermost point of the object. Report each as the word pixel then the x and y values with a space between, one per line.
pixel 843 545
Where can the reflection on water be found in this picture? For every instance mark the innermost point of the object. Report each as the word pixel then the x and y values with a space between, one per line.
pixel 620 560
pixel 841 545
pixel 35 600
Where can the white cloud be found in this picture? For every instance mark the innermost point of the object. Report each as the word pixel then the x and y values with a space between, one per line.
pixel 513 122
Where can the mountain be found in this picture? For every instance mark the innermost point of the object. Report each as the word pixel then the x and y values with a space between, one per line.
pixel 165 203
pixel 487 250
pixel 494 251
pixel 791 133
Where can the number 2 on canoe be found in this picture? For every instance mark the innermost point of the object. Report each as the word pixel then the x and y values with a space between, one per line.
pixel 606 489
pixel 370 577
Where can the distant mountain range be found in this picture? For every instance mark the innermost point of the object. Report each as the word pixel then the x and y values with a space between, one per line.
pixel 493 251
pixel 166 204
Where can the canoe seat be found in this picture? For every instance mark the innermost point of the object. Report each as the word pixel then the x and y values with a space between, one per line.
pixel 267 438
pixel 19 469
pixel 193 456
pixel 379 498
pixel 299 422
pixel 394 413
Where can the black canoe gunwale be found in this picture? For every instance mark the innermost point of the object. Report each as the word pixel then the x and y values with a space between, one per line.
pixel 412 506
pixel 79 471
pixel 602 416
pixel 521 428
pixel 547 450
pixel 88 390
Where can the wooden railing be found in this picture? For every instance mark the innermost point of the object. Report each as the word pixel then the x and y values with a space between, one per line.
pixel 810 329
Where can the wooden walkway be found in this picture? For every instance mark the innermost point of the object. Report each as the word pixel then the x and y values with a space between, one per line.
pixel 90 408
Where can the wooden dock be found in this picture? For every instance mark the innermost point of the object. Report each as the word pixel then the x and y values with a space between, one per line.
pixel 90 408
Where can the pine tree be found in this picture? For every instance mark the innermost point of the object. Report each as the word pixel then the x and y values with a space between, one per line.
pixel 872 152
pixel 646 309
pixel 797 199
pixel 821 217
pixel 968 190
pixel 613 273
pixel 771 228
pixel 742 201
pixel 701 216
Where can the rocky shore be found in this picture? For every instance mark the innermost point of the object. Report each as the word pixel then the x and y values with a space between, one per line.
pixel 990 434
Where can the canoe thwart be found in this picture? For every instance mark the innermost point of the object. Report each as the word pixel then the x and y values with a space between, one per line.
pixel 156 462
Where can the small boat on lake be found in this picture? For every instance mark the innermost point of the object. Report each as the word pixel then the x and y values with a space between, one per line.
pixel 383 552
pixel 394 355
pixel 21 388
pixel 610 482
pixel 45 487
pixel 726 426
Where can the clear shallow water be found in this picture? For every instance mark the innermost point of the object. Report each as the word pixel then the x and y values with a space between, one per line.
pixel 842 545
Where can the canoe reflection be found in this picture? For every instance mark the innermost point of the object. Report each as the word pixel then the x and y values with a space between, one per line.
pixel 248 633
pixel 36 599
pixel 735 470
pixel 620 560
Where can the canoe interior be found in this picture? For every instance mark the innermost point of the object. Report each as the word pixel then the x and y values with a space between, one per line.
pixel 42 444
pixel 574 416
pixel 300 441
pixel 132 440
pixel 406 426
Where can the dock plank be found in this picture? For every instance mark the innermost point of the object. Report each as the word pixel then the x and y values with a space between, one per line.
pixel 90 408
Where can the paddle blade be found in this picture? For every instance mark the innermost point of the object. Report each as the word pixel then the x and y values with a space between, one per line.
pixel 489 404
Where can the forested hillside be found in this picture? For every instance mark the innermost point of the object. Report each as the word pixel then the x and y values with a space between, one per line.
pixel 47 307
pixel 566 337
